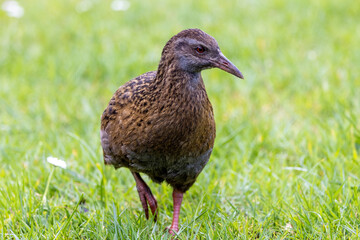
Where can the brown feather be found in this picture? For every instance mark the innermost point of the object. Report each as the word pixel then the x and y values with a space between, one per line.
pixel 161 123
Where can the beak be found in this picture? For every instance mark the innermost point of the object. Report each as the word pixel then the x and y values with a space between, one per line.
pixel 223 63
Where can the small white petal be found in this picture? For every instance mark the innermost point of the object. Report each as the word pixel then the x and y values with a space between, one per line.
pixel 13 9
pixel 312 55
pixel 288 227
pixel 120 5
pixel 56 162
pixel 296 168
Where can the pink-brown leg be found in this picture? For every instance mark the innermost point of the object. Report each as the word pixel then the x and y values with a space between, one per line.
pixel 177 199
pixel 146 196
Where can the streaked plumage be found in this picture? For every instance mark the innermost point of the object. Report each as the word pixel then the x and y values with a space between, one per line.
pixel 161 123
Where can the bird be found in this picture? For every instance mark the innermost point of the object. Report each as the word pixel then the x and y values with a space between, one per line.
pixel 161 123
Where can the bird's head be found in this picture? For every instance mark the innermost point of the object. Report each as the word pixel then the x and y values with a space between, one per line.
pixel 194 50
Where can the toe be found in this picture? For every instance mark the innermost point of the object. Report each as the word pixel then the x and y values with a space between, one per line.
pixel 173 230
pixel 144 204
pixel 153 204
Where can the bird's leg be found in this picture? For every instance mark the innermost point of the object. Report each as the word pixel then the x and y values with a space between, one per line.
pixel 177 199
pixel 146 196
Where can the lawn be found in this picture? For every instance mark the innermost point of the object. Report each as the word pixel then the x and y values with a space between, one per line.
pixel 286 158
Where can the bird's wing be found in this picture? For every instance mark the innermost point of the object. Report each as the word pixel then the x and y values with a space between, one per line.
pixel 117 118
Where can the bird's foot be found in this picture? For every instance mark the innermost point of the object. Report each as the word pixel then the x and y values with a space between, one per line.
pixel 146 196
pixel 177 198
pixel 173 230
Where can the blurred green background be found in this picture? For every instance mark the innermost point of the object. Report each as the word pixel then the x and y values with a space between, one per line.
pixel 286 157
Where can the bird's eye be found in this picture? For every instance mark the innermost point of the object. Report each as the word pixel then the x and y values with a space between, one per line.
pixel 200 49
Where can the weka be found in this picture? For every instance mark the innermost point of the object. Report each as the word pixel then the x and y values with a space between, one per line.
pixel 161 123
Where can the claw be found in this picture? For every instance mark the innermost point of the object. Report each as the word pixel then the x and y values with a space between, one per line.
pixel 146 196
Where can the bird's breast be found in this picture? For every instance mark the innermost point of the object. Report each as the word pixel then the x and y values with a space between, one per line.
pixel 186 128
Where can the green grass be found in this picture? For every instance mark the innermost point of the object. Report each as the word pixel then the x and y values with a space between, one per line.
pixel 288 137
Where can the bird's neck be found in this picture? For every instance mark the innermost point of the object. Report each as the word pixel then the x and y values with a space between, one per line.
pixel 170 75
